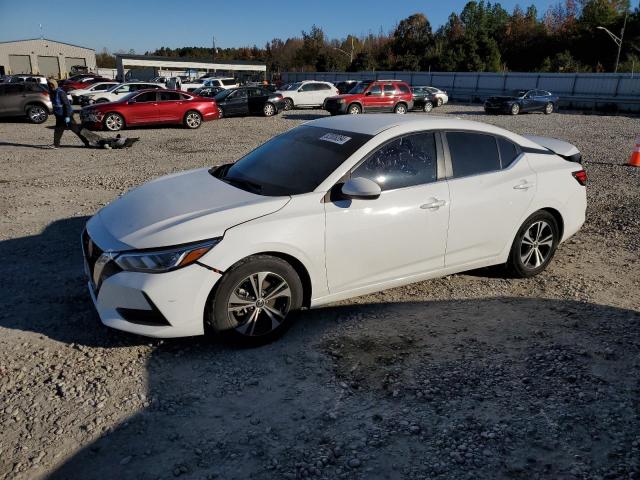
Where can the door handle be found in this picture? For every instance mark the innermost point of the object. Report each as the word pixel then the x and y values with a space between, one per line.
pixel 433 205
pixel 524 185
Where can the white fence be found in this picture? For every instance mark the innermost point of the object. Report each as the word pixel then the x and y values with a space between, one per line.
pixel 609 91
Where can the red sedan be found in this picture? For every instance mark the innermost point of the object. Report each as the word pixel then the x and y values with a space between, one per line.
pixel 146 107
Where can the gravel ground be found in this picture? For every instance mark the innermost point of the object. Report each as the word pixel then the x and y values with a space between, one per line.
pixel 472 376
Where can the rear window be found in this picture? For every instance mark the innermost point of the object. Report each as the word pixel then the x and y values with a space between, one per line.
pixel 472 153
pixel 295 162
pixel 403 88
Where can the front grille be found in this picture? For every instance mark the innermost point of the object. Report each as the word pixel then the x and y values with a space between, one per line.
pixel 92 252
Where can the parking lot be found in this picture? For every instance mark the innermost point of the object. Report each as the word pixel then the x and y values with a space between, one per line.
pixel 469 376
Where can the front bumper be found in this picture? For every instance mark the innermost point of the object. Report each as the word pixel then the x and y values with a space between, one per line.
pixel 334 107
pixel 163 305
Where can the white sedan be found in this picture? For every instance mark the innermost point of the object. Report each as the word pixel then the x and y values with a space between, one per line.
pixel 74 95
pixel 332 209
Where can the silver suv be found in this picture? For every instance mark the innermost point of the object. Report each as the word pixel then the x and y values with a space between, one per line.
pixel 25 99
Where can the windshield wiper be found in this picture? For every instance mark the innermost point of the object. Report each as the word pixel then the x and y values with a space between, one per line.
pixel 243 184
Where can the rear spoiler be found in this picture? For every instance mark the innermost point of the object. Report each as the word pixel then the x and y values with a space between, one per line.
pixel 561 148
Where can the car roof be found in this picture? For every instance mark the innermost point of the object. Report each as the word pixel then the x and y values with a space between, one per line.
pixel 375 124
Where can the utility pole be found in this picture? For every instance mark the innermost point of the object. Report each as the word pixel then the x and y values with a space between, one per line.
pixel 348 54
pixel 617 40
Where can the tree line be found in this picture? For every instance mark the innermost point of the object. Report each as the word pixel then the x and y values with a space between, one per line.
pixel 483 37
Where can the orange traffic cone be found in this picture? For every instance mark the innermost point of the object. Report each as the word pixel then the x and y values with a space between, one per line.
pixel 634 160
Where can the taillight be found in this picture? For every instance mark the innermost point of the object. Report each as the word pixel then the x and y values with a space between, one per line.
pixel 581 177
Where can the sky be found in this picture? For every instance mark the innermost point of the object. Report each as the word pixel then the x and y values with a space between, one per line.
pixel 146 25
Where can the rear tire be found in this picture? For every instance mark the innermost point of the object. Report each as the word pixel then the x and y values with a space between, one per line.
pixel 515 109
pixel 37 114
pixel 253 301
pixel 269 110
pixel 534 246
pixel 428 106
pixel 192 119
pixel 440 102
pixel 400 109
pixel 548 109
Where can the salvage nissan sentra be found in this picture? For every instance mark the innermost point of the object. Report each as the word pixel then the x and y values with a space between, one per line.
pixel 332 209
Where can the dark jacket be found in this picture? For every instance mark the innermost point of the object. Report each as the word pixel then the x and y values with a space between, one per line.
pixel 61 105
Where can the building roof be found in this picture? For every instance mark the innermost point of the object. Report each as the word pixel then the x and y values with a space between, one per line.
pixel 186 59
pixel 46 40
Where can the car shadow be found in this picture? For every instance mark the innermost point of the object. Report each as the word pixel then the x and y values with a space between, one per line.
pixel 38 147
pixel 342 372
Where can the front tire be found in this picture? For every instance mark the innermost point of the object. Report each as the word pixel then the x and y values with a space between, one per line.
pixel 269 110
pixel 253 302
pixel 192 120
pixel 288 104
pixel 515 109
pixel 354 109
pixel 37 114
pixel 113 122
pixel 534 246
pixel 548 109
pixel 400 109
pixel 440 102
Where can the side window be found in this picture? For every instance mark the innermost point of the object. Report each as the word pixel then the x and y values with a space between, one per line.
pixel 184 97
pixel 472 153
pixel 168 96
pixel 228 81
pixel 375 90
pixel 14 88
pixel 146 97
pixel 508 152
pixel 256 92
pixel 324 86
pixel 123 89
pixel 403 162
pixel 307 87
pixel 389 90
pixel 403 88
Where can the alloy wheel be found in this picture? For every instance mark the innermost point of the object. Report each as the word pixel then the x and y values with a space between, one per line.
pixel 354 110
pixel 288 104
pixel 536 244
pixel 259 303
pixel 37 114
pixel 549 108
pixel 113 122
pixel 401 109
pixel 193 120
pixel 428 107
pixel 515 109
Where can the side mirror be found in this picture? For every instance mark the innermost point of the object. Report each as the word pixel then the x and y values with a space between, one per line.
pixel 361 188
pixel 368 93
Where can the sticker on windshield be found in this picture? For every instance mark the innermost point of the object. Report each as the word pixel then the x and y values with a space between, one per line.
pixel 335 138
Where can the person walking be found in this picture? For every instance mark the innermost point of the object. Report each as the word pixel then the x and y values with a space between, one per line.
pixel 63 111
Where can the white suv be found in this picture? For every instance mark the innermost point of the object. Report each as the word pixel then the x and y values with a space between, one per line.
pixel 117 92
pixel 309 93
pixel 225 83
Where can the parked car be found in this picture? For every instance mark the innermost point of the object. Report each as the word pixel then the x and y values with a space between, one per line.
pixel 224 82
pixel 423 99
pixel 373 96
pixel 345 86
pixel 249 101
pixel 522 101
pixel 308 93
pixel 117 92
pixel 332 209
pixel 441 96
pixel 162 80
pixel 40 79
pixel 208 92
pixel 151 106
pixel 74 95
pixel 79 82
pixel 26 99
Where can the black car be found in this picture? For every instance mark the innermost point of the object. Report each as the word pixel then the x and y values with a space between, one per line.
pixel 423 99
pixel 346 86
pixel 209 92
pixel 522 101
pixel 248 101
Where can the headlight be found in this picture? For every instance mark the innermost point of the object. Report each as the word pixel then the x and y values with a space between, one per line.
pixel 158 261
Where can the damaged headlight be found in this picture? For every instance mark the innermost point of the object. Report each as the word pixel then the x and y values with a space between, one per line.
pixel 157 261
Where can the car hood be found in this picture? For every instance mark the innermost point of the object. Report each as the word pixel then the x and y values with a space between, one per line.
pixel 176 209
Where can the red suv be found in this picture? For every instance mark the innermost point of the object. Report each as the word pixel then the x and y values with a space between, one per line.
pixel 372 96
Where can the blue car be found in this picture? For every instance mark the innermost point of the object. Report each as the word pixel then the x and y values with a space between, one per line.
pixel 522 101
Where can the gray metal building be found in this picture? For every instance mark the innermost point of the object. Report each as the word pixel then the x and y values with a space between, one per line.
pixel 44 57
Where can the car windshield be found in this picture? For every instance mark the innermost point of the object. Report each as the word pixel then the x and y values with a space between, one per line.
pixel 360 87
pixel 518 93
pixel 294 162
pixel 111 89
